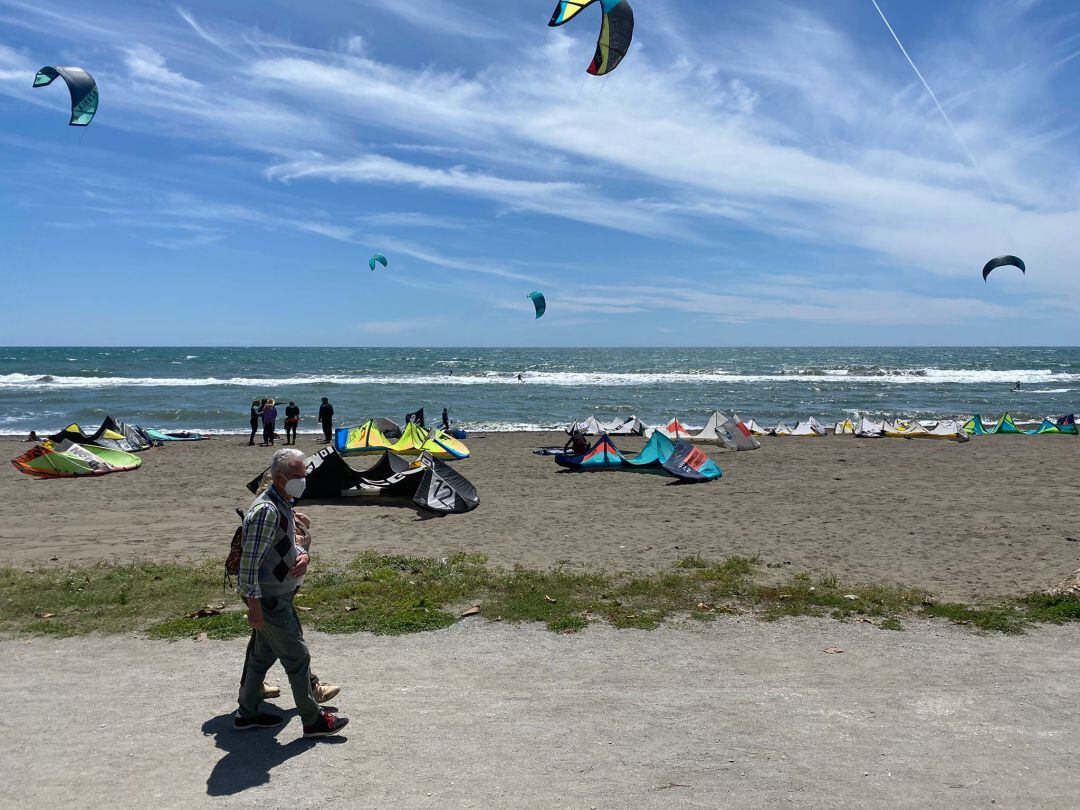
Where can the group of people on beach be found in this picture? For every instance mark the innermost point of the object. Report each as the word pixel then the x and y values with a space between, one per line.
pixel 264 412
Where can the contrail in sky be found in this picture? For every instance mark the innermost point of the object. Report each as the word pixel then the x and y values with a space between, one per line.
pixel 941 109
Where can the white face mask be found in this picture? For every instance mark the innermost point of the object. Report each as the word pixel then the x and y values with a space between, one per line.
pixel 295 487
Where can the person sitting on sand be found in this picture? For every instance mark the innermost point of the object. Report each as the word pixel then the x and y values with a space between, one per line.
pixel 269 417
pixel 576 444
pixel 33 437
pixel 292 422
pixel 272 569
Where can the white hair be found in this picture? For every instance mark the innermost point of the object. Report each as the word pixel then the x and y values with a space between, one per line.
pixel 282 458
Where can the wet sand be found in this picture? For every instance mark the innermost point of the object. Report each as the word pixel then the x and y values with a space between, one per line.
pixel 983 519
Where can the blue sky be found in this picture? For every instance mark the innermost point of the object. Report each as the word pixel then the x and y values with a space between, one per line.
pixel 752 174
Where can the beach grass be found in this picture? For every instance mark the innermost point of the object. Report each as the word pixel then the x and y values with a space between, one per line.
pixel 394 594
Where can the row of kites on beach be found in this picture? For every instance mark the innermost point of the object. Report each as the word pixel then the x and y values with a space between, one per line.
pixel 412 463
pixel 735 434
pixel 613 43
pixel 76 453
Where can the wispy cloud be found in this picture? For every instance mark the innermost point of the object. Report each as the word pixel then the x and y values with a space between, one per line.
pixel 784 135
pixel 443 17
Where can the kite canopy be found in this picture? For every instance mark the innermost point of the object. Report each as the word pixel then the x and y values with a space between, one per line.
pixel 539 302
pixel 1005 425
pixel 690 465
pixel 948 429
pixel 367 438
pixel 869 429
pixel 172 435
pixel 427 482
pixel 81 86
pixel 70 460
pixel 110 434
pixel 378 257
pixel 731 433
pixel 655 452
pixel 603 455
pixel 616 30
pixel 675 430
pixel 1003 261
pixel 974 426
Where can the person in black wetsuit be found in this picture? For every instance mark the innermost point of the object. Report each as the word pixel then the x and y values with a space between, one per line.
pixel 292 422
pixel 445 419
pixel 326 419
pixel 256 415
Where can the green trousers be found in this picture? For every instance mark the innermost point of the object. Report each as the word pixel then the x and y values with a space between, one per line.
pixel 280 639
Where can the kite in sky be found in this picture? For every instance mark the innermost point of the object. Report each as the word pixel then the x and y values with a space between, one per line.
pixel 378 257
pixel 616 31
pixel 539 302
pixel 81 86
pixel 1004 261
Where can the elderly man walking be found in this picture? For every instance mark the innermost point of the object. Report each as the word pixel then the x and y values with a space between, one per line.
pixel 272 568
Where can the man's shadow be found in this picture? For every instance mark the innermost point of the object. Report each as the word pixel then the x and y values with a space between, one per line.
pixel 251 755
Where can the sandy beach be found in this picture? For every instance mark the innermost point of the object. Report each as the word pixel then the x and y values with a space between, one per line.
pixel 967 521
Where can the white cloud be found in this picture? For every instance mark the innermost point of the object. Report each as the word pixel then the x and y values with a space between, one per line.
pixel 831 146
pixel 146 64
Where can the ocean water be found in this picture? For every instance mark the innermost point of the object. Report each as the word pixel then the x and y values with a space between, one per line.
pixel 211 389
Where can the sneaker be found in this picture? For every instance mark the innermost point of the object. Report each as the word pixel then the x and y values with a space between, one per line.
pixel 241 723
pixel 325 691
pixel 328 725
pixel 270 692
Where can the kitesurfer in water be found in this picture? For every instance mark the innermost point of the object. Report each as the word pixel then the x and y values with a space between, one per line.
pixel 521 378
pixel 1017 386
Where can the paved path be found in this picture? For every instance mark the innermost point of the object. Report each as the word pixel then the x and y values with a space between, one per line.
pixel 735 714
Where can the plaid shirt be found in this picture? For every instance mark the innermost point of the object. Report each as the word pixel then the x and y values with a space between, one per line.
pixel 269 548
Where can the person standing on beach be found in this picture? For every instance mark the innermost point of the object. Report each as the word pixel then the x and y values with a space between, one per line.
pixel 256 415
pixel 272 569
pixel 269 417
pixel 292 422
pixel 445 419
pixel 326 419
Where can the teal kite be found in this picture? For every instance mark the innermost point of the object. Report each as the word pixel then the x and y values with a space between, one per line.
pixel 539 302
pixel 81 86
pixel 378 257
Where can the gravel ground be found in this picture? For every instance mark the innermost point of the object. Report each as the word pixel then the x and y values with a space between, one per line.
pixel 735 714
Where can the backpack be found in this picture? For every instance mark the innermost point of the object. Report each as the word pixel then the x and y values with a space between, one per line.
pixel 236 550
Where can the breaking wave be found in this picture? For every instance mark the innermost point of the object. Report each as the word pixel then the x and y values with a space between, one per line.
pixel 925 376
